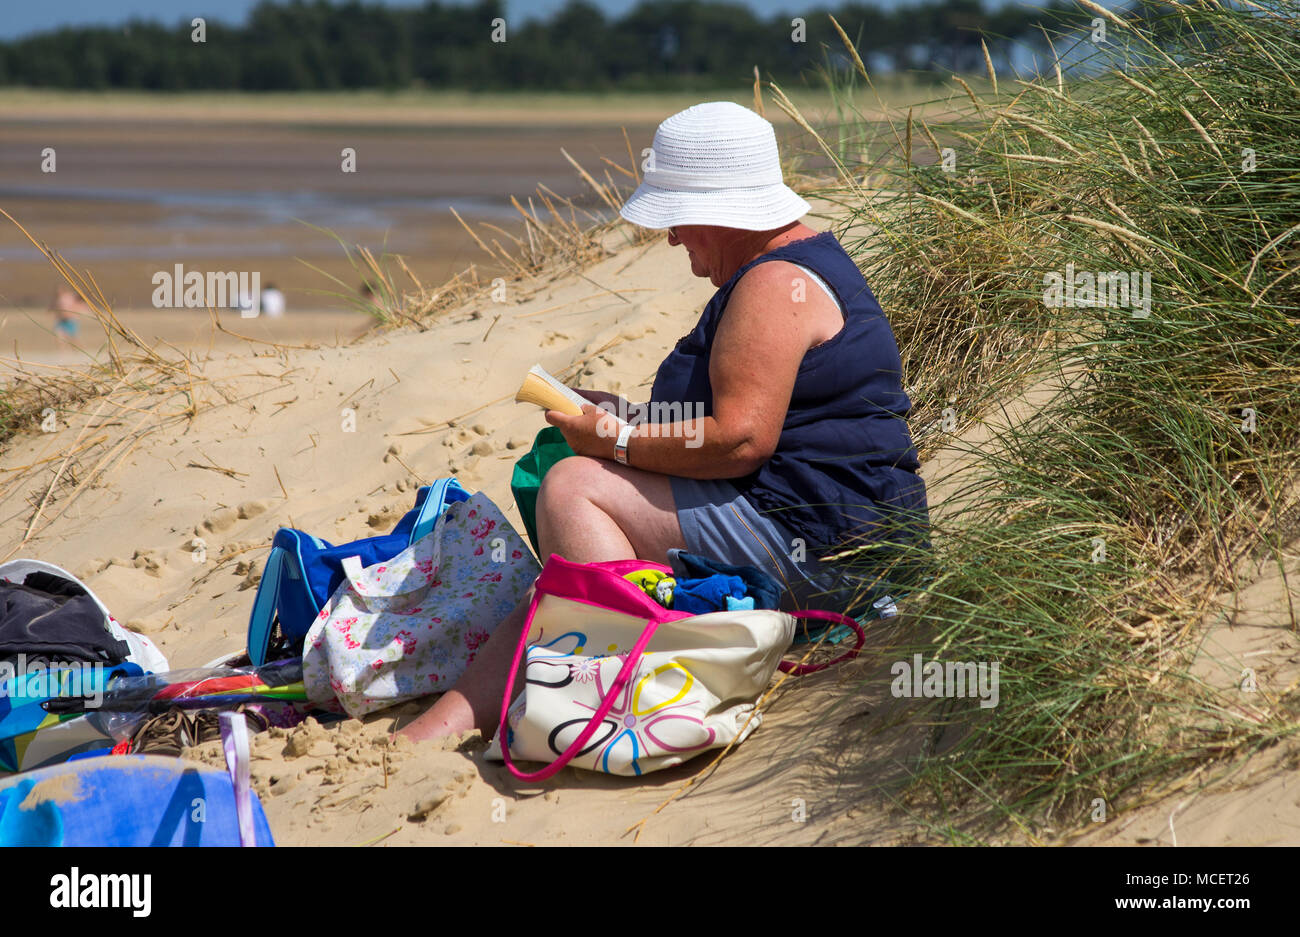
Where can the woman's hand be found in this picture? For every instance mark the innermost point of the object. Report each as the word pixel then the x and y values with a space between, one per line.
pixel 591 434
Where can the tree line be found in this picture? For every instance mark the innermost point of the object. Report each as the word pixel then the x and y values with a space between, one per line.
pixel 314 45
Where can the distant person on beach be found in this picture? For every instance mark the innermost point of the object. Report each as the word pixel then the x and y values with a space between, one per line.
pixel 802 448
pixel 272 301
pixel 67 306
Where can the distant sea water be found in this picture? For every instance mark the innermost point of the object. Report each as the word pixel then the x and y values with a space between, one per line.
pixel 128 198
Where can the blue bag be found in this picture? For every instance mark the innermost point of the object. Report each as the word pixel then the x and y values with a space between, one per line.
pixel 303 571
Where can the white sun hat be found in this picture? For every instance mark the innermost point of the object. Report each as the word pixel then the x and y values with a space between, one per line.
pixel 714 164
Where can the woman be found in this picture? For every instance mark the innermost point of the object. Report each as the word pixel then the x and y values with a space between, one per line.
pixel 799 445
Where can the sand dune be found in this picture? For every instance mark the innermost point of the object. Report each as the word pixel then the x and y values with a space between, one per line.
pixel 171 528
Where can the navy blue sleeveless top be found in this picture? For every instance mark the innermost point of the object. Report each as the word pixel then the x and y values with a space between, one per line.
pixel 844 466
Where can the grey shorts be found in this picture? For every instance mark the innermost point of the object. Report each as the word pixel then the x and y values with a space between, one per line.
pixel 718 522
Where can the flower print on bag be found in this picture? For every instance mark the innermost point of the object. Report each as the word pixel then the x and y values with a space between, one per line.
pixel 644 729
pixel 344 627
pixel 584 670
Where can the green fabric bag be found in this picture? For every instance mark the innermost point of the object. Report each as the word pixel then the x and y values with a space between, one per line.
pixel 548 448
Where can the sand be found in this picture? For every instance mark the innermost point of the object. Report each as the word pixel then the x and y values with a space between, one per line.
pixel 171 530
pixel 65 789
pixel 26 335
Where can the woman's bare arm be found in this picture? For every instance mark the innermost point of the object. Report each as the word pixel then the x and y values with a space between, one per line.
pixel 768 326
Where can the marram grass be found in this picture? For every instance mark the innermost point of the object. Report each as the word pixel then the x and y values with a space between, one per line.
pixel 1085 538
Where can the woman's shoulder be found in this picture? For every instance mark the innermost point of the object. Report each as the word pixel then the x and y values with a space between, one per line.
pixel 785 288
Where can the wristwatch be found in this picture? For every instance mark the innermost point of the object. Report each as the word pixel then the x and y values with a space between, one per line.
pixel 620 444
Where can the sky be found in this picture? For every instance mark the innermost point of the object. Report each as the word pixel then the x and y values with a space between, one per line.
pixel 20 17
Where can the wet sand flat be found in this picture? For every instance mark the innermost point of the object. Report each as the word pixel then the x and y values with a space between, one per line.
pixel 148 189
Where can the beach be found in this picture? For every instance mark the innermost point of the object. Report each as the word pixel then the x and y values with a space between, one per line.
pixel 268 444
pixel 156 453
pixel 269 415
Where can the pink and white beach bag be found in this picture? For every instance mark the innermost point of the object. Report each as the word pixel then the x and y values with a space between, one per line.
pixel 409 627
pixel 617 683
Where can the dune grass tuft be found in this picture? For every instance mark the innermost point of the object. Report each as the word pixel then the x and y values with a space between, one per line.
pixel 1156 462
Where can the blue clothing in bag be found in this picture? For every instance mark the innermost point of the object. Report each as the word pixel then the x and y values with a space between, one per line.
pixel 765 590
pixel 303 571
pixel 710 594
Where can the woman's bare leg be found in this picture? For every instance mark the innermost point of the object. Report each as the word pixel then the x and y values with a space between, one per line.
pixel 587 510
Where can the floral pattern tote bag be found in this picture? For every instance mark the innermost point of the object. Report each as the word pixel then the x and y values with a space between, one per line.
pixel 409 627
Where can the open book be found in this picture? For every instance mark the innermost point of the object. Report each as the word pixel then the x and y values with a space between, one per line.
pixel 542 388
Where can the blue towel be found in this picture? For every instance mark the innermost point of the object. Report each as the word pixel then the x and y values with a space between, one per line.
pixel 710 594
pixel 41 825
pixel 765 590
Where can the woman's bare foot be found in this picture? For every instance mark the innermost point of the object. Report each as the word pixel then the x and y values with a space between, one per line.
pixel 475 701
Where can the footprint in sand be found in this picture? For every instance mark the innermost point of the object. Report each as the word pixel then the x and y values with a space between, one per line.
pixel 151 624
pixel 550 338
pixel 457 438
pixel 464 466
pixel 458 786
pixel 149 561
pixel 221 520
pixel 92 569
pixel 250 509
pixel 250 575
pixel 383 518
